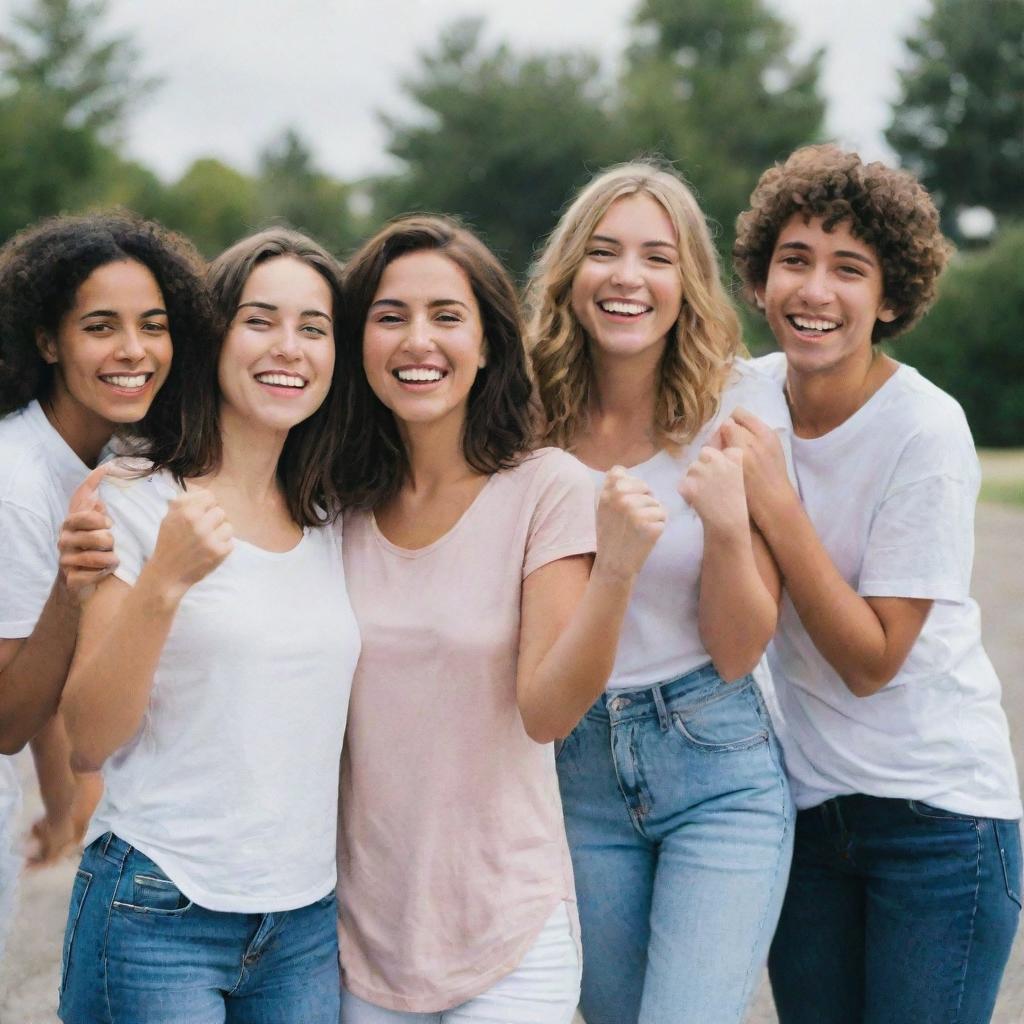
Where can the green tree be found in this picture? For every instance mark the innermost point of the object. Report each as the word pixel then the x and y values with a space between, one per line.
pixel 711 85
pixel 213 204
pixel 960 121
pixel 502 140
pixel 291 188
pixel 53 49
pixel 970 344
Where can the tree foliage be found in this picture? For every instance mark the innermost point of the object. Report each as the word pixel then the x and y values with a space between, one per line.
pixel 960 122
pixel 711 84
pixel 500 140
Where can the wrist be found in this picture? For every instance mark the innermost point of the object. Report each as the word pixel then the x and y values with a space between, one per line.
pixel 612 577
pixel 162 594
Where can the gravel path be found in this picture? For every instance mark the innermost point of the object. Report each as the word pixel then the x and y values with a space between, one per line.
pixel 29 976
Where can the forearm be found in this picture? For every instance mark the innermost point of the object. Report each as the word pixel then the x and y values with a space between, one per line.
pixel 573 673
pixel 841 624
pixel 51 752
pixel 32 682
pixel 110 682
pixel 737 612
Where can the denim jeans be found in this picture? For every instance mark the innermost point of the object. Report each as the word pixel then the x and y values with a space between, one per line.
pixel 896 911
pixel 137 951
pixel 680 826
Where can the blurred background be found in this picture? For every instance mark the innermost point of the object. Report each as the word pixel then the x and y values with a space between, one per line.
pixel 332 116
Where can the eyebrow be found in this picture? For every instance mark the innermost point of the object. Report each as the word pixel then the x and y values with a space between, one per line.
pixel 399 304
pixel 156 311
pixel 846 254
pixel 271 308
pixel 654 244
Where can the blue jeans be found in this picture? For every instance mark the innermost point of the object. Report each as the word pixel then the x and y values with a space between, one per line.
pixel 896 911
pixel 681 827
pixel 137 951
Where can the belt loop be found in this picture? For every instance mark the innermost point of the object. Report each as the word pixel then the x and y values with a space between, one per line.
pixel 106 842
pixel 659 703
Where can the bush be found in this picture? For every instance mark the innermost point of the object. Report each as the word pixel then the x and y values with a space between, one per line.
pixel 971 344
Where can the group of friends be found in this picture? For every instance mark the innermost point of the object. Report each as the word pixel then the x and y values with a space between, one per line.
pixel 417 630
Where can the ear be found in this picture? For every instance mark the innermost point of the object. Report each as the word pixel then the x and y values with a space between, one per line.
pixel 47 346
pixel 759 297
pixel 887 313
pixel 482 361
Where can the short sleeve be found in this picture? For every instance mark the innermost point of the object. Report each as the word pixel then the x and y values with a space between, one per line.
pixel 562 522
pixel 136 507
pixel 921 539
pixel 28 566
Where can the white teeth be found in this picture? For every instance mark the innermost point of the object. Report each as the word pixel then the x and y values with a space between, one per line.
pixel 124 381
pixel 628 308
pixel 419 375
pixel 281 380
pixel 808 324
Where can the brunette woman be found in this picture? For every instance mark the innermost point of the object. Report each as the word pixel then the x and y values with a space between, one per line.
pixel 212 675
pixel 676 803
pixel 486 634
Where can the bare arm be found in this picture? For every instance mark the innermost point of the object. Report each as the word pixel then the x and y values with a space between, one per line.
pixel 124 629
pixel 866 640
pixel 33 669
pixel 570 624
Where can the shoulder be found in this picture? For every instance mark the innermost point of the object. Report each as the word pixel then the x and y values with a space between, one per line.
pixel 131 483
pixel 545 466
pixel 26 473
pixel 757 386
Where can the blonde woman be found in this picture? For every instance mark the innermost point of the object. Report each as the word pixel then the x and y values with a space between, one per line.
pixel 677 809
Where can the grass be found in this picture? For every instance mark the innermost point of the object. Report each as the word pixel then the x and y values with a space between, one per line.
pixel 1002 475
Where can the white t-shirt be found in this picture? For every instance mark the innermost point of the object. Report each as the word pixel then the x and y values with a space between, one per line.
pixel 231 783
pixel 891 493
pixel 38 475
pixel 660 639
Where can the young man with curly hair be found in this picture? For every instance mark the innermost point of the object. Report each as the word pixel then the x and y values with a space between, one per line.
pixel 905 891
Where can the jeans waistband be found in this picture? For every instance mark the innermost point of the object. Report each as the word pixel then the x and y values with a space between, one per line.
pixel 643 701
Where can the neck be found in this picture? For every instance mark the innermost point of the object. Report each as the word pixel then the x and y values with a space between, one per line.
pixel 435 453
pixel 821 401
pixel 83 431
pixel 625 391
pixel 249 457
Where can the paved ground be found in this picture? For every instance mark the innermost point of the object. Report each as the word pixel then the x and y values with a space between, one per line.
pixel 28 978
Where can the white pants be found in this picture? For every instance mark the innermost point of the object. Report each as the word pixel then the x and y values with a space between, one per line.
pixel 543 989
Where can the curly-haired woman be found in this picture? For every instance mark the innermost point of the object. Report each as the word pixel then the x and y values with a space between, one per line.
pixel 676 804
pixel 88 306
pixel 485 636
pixel 906 884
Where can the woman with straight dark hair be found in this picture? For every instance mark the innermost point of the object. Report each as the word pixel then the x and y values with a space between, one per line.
pixel 88 306
pixel 212 676
pixel 485 637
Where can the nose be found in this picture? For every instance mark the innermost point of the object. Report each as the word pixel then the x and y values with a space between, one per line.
pixel 418 337
pixel 626 272
pixel 130 348
pixel 287 343
pixel 815 289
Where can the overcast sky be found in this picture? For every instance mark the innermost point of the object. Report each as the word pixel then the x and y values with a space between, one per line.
pixel 235 74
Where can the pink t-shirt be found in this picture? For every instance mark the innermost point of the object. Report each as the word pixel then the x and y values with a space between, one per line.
pixel 452 852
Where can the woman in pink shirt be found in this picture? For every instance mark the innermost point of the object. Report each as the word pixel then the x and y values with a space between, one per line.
pixel 487 630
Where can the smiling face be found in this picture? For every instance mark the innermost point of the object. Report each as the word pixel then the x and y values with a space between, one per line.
pixel 278 355
pixel 627 291
pixel 112 349
pixel 423 341
pixel 823 295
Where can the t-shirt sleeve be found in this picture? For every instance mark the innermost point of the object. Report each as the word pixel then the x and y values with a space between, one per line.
pixel 921 539
pixel 136 508
pixel 28 566
pixel 562 523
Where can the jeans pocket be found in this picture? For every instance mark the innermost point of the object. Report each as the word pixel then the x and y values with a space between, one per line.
pixel 731 720
pixel 81 886
pixel 929 812
pixel 151 894
pixel 1008 841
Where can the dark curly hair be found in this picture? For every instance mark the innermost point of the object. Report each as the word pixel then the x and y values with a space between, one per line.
pixel 194 448
pixel 41 270
pixel 886 209
pixel 502 414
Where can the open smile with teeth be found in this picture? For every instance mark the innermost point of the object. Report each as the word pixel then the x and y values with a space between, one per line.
pixel 419 374
pixel 622 308
pixel 810 323
pixel 281 380
pixel 132 381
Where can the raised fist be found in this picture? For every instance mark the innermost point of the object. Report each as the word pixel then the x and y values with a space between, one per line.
pixel 195 537
pixel 629 522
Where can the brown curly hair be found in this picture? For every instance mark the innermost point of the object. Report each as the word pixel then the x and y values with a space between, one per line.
pixel 887 209
pixel 41 269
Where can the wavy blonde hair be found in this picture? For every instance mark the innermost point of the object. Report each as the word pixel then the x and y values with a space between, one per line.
pixel 706 337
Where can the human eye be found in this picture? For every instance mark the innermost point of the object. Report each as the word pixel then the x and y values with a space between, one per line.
pixel 448 316
pixel 100 327
pixel 387 319
pixel 661 259
pixel 154 327
pixel 849 270
pixel 599 252
pixel 791 260
pixel 254 320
